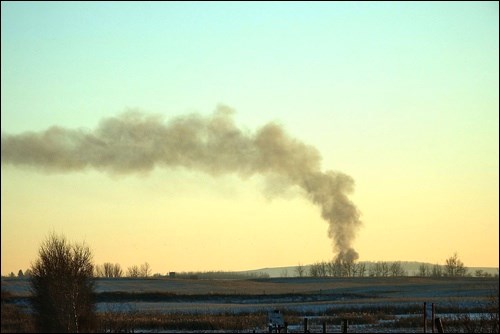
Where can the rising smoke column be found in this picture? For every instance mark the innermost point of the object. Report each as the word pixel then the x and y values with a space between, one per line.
pixel 134 142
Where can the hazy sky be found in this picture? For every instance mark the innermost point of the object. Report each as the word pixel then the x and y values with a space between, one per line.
pixel 402 97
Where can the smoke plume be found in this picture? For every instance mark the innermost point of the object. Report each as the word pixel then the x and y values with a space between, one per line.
pixel 134 142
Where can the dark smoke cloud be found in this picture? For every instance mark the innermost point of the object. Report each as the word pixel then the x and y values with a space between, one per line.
pixel 134 142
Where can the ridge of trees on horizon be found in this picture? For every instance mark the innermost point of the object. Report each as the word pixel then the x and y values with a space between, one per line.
pixel 453 267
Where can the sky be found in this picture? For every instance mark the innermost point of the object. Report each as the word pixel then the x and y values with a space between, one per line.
pixel 401 97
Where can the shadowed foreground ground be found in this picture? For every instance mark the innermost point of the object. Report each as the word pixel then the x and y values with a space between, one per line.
pixel 370 304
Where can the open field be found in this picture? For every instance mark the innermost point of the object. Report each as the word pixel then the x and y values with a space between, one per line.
pixel 368 303
pixel 368 286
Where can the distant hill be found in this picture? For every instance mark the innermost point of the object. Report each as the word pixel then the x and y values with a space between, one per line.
pixel 411 267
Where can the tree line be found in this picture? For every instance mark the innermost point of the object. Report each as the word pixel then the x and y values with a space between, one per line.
pixel 106 270
pixel 453 267
pixel 337 268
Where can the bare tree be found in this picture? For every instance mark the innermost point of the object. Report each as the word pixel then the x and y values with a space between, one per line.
pixel 354 270
pixel 335 268
pixel 379 269
pixel 372 272
pixel 112 270
pixel 454 266
pixel 98 270
pixel 437 270
pixel 133 271
pixel 108 269
pixel 424 270
pixel 347 268
pixel 300 270
pixel 361 269
pixel 318 269
pixel 117 270
pixel 397 269
pixel 384 269
pixel 323 269
pixel 145 270
pixel 313 272
pixel 63 287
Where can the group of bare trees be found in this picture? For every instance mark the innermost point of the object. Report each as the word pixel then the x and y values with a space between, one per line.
pixel 482 273
pixel 110 270
pixel 386 269
pixel 143 271
pixel 453 267
pixel 339 268
pixel 425 270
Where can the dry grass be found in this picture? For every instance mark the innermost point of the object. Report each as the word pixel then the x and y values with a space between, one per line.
pixel 112 322
pixel 16 321
pixel 13 318
pixel 375 303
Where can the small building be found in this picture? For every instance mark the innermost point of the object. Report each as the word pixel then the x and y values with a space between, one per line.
pixel 171 274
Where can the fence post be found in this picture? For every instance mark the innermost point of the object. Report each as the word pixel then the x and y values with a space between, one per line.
pixel 324 327
pixel 344 325
pixel 305 325
pixel 433 317
pixel 439 325
pixel 425 317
